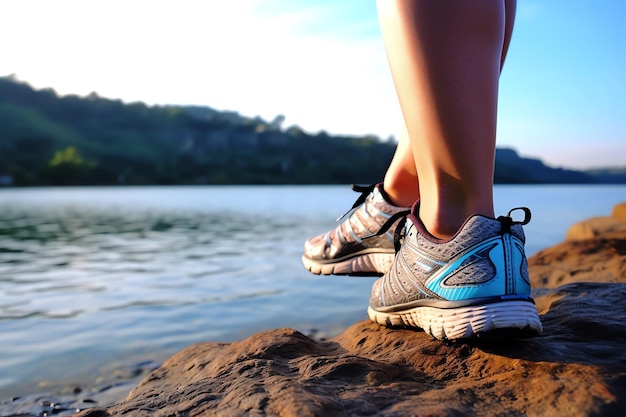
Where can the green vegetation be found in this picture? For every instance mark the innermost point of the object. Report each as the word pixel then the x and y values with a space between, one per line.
pixel 46 139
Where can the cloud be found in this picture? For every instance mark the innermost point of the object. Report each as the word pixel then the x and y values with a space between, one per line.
pixel 253 56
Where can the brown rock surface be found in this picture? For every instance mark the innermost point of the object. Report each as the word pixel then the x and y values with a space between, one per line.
pixel 607 227
pixel 619 212
pixel 576 368
pixel 594 251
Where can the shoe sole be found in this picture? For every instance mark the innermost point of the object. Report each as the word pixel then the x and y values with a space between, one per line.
pixel 508 319
pixel 360 265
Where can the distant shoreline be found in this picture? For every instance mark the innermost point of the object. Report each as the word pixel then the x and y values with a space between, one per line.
pixel 69 140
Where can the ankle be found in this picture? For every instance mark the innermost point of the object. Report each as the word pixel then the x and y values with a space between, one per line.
pixel 440 228
pixel 401 194
pixel 445 223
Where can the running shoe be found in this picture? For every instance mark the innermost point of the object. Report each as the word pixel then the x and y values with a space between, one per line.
pixel 475 284
pixel 357 246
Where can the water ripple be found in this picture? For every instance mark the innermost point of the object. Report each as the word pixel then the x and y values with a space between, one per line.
pixel 67 262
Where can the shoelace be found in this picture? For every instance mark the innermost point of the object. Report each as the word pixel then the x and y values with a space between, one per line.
pixel 397 234
pixel 365 190
pixel 507 221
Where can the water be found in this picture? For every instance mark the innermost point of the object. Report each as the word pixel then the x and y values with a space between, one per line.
pixel 93 280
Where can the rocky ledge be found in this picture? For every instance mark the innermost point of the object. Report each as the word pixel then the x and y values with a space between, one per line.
pixel 576 368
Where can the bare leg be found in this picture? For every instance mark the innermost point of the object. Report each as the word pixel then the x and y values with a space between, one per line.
pixel 401 182
pixel 445 58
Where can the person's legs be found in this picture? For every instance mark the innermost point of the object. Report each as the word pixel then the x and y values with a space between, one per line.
pixel 445 60
pixel 458 272
pixel 346 250
pixel 401 180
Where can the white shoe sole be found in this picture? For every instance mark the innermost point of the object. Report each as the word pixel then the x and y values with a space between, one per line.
pixel 508 319
pixel 367 264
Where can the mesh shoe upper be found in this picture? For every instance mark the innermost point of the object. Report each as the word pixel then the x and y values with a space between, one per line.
pixel 348 238
pixel 485 259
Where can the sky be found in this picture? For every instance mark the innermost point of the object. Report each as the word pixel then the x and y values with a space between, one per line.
pixel 321 64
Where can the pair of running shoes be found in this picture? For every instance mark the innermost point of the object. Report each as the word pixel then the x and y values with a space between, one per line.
pixel 475 284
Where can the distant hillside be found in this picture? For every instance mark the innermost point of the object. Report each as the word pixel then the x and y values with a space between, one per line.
pixel 615 175
pixel 46 139
pixel 513 169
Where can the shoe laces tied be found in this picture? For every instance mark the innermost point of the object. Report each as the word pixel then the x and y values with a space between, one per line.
pixel 365 190
pixel 507 221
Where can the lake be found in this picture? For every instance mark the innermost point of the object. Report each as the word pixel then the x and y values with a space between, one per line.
pixel 97 280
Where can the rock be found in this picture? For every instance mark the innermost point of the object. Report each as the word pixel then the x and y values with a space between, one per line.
pixel 605 226
pixel 590 260
pixel 576 368
pixel 619 211
pixel 594 250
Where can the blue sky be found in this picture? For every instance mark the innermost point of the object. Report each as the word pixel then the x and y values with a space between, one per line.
pixel 321 63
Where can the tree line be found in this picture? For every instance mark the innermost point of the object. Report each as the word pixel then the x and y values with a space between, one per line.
pixel 47 139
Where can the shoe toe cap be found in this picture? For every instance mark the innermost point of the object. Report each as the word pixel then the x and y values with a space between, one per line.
pixel 315 247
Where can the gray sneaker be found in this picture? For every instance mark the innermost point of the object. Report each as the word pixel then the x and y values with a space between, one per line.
pixel 353 248
pixel 475 284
